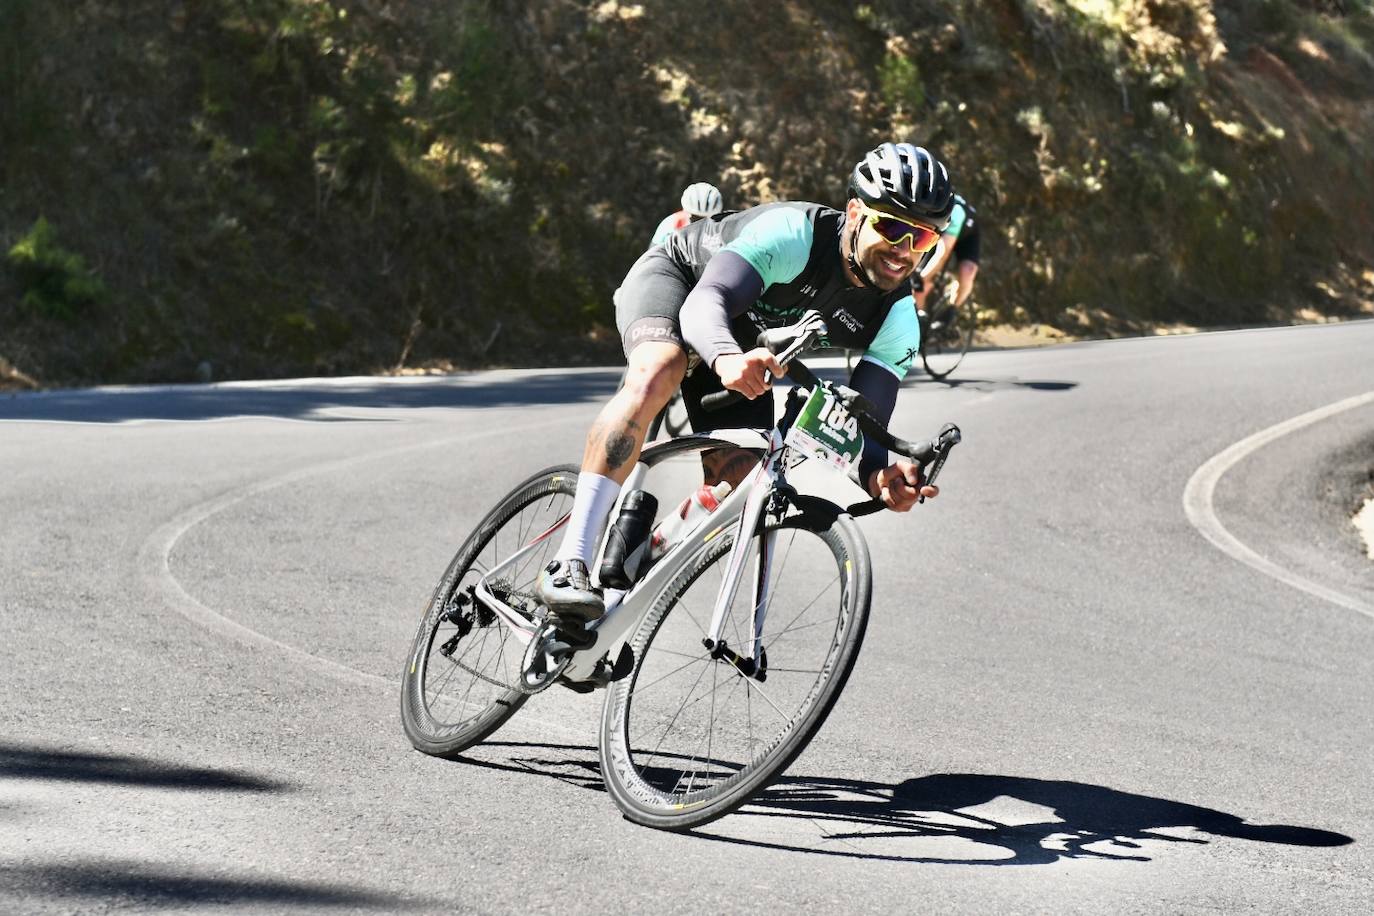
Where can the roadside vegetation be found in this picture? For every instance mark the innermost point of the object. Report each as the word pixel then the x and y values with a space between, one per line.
pixel 281 187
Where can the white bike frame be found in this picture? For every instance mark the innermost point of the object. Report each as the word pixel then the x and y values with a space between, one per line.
pixel 742 508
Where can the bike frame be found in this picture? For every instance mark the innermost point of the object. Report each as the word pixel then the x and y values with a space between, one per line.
pixel 742 508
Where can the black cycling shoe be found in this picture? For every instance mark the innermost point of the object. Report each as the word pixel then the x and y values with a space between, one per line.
pixel 565 587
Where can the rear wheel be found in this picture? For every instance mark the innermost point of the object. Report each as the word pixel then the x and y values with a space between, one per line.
pixel 693 733
pixel 461 683
pixel 947 336
pixel 675 419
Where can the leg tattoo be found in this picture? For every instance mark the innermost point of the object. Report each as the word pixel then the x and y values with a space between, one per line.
pixel 619 443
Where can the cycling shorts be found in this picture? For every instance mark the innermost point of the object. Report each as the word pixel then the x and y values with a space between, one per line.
pixel 646 308
pixel 966 249
pixel 649 300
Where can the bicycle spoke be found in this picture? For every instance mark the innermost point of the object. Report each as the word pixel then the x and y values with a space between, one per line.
pixel 714 737
pixel 809 605
pixel 644 687
pixel 710 735
pixel 669 726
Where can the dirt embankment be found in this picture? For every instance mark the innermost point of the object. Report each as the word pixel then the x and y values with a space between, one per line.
pixel 273 187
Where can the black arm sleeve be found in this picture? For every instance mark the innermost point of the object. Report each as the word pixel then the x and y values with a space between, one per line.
pixel 727 287
pixel 880 387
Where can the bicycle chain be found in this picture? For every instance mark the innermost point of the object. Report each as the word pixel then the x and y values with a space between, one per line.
pixel 479 675
pixel 507 587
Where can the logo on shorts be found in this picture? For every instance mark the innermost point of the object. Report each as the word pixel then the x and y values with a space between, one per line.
pixel 651 332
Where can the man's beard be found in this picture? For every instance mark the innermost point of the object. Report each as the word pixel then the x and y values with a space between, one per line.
pixel 878 275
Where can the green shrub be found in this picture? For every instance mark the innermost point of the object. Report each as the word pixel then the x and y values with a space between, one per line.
pixel 56 282
pixel 900 80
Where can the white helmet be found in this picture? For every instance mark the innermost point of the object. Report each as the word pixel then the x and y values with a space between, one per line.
pixel 701 199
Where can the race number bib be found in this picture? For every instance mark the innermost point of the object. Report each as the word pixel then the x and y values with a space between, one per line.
pixel 824 430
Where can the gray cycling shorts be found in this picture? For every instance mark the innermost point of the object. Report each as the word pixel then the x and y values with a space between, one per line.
pixel 649 300
pixel 646 308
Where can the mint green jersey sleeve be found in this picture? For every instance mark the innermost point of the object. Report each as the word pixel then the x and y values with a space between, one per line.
pixel 898 340
pixel 777 244
pixel 956 221
pixel 666 227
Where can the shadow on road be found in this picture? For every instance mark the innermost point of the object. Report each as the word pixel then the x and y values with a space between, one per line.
pixel 918 379
pixel 304 400
pixel 128 883
pixel 317 401
pixel 995 820
pixel 950 817
pixel 575 764
pixel 991 384
pixel 118 769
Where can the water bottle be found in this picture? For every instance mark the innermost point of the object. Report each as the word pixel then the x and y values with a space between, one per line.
pixel 703 502
pixel 624 552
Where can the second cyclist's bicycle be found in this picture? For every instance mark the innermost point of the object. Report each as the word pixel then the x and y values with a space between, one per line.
pixel 946 331
pixel 720 662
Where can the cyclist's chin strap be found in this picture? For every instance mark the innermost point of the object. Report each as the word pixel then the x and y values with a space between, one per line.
pixel 853 256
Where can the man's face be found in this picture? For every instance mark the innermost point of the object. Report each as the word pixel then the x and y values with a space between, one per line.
pixel 888 265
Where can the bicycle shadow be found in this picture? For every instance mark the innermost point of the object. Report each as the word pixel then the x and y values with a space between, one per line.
pixel 946 818
pixel 986 819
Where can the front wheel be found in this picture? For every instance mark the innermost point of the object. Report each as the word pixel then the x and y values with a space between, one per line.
pixel 693 733
pixel 946 336
pixel 462 680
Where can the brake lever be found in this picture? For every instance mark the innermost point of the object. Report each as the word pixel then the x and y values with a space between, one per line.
pixel 810 328
pixel 949 437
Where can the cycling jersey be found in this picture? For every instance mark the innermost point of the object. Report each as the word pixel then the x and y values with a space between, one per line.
pixel 670 224
pixel 963 226
pixel 794 248
pixel 780 260
pixel 956 220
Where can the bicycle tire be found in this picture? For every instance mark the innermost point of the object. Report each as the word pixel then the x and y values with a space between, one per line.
pixel 943 348
pixel 675 419
pixel 653 787
pixel 448 706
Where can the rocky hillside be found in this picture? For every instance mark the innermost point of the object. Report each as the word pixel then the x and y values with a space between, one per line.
pixel 279 187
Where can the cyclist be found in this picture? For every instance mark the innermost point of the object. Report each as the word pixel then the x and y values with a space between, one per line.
pixel 686 306
pixel 960 240
pixel 699 201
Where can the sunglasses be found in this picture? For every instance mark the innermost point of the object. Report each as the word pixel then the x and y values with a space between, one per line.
pixel 893 229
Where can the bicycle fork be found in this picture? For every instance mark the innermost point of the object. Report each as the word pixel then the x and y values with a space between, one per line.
pixel 751 661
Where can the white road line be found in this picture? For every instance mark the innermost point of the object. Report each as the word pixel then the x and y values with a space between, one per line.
pixel 1197 502
pixel 155 553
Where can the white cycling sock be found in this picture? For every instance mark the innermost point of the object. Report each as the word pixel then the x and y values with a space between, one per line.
pixel 591 508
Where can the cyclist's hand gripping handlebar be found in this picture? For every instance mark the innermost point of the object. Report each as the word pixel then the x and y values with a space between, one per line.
pixel 784 343
pixel 930 455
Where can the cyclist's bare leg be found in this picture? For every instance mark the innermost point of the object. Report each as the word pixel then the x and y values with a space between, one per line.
pixel 967 273
pixel 732 464
pixel 613 444
pixel 655 371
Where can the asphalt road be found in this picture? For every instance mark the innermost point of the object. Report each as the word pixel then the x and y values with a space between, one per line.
pixel 1072 698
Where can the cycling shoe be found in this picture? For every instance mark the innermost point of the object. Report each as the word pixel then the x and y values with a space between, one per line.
pixel 565 587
